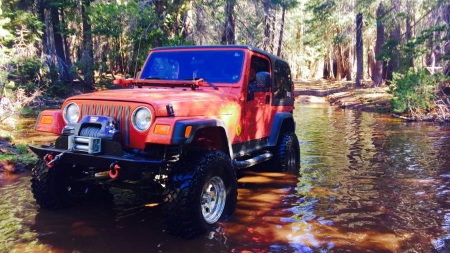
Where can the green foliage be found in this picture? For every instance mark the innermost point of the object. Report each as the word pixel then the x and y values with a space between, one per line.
pixel 4 34
pixel 19 18
pixel 22 158
pixel 108 19
pixel 177 40
pixel 412 49
pixel 27 111
pixel 22 149
pixel 128 27
pixel 341 38
pixel 105 83
pixel 387 50
pixel 414 91
pixel 57 89
pixel 17 153
pixel 25 73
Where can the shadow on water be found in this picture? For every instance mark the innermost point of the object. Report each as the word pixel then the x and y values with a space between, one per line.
pixel 369 183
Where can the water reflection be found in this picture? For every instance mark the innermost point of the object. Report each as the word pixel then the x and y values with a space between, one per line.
pixel 369 183
pixel 373 179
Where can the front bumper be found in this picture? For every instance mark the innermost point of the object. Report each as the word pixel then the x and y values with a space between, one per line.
pixel 128 162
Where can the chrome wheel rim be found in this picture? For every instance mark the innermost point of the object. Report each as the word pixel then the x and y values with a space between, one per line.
pixel 213 199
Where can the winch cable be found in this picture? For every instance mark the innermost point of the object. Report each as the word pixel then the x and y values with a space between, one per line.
pixel 49 160
pixel 90 132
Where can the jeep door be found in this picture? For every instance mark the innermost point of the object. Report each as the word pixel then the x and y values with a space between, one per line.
pixel 257 108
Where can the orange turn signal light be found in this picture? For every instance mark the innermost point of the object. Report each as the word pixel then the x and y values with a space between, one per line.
pixel 47 119
pixel 188 131
pixel 162 129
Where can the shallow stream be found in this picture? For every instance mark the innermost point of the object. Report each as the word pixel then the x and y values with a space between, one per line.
pixel 369 183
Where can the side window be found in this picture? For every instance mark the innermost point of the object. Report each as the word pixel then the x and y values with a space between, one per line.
pixel 257 64
pixel 282 87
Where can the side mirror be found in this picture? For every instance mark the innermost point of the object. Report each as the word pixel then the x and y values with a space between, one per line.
pixel 263 80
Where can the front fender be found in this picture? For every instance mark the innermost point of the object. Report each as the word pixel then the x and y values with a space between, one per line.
pixel 181 137
pixel 182 131
pixel 50 121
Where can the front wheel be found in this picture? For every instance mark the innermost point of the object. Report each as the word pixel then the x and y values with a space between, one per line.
pixel 201 191
pixel 58 187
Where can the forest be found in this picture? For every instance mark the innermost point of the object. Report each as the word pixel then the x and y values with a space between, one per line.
pixel 48 47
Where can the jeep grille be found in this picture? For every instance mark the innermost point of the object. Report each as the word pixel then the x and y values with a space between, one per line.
pixel 120 113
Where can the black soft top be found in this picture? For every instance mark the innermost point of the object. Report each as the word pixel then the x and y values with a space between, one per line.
pixel 254 49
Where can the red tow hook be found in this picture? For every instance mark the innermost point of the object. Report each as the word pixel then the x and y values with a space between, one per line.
pixel 48 158
pixel 114 170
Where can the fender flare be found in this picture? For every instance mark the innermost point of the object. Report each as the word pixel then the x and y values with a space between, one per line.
pixel 276 126
pixel 178 137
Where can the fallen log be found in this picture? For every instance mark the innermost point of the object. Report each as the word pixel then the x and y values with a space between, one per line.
pixel 403 117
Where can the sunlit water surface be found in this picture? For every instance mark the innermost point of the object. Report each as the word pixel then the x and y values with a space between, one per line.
pixel 369 183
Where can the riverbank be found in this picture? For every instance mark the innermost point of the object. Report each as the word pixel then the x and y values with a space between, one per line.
pixel 345 95
pixel 14 158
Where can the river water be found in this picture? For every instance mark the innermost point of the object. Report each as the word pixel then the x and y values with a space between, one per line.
pixel 369 183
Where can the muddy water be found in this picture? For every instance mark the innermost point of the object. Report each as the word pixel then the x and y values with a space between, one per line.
pixel 369 183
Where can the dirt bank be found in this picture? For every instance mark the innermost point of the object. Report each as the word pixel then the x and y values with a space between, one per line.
pixel 11 161
pixel 363 99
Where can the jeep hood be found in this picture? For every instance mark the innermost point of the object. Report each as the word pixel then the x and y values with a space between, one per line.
pixel 185 102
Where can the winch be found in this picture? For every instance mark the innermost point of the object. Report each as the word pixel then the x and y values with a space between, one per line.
pixel 86 135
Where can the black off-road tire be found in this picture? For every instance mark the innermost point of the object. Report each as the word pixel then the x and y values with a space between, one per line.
pixel 287 154
pixel 185 196
pixel 50 187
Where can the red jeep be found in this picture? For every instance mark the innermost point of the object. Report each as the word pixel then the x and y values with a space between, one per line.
pixel 178 132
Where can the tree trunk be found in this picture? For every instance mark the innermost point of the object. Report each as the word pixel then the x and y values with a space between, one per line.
pixel 42 18
pixel 377 74
pixel 272 34
pixel 87 54
pixel 327 68
pixel 346 64
pixel 66 49
pixel 59 45
pixel 280 40
pixel 266 5
pixel 66 43
pixel 339 65
pixel 228 32
pixel 359 50
pixel 408 33
pixel 395 36
pixel 330 63
pixel 371 63
pixel 188 23
pixel 200 25
pixel 159 9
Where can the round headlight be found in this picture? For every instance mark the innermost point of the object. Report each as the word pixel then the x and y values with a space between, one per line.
pixel 71 113
pixel 141 118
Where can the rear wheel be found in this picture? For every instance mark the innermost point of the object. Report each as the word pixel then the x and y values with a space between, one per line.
pixel 57 187
pixel 201 191
pixel 287 154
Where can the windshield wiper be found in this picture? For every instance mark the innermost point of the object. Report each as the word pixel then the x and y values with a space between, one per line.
pixel 202 79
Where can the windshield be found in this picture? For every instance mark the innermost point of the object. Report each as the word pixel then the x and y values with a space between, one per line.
pixel 212 66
